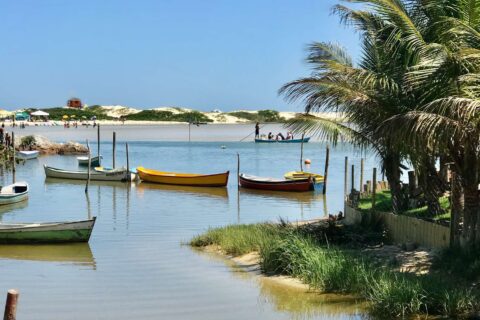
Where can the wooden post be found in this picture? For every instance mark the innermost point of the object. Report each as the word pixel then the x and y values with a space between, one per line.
pixel 128 161
pixel 412 183
pixel 361 174
pixel 345 179
pixel 327 157
pixel 88 169
pixel 301 153
pixel 114 143
pixel 11 305
pixel 189 125
pixel 98 141
pixel 14 169
pixel 238 170
pixel 374 187
pixel 353 179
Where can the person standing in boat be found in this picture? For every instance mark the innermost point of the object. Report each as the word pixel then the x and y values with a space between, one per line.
pixel 257 130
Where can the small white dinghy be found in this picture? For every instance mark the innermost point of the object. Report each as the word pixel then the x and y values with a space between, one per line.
pixel 14 193
pixel 27 155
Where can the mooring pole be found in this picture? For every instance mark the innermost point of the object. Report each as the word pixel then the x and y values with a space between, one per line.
pixel 11 305
pixel 301 153
pixel 327 157
pixel 88 169
pixel 98 141
pixel 374 188
pixel 345 179
pixel 114 146
pixel 353 178
pixel 13 157
pixel 361 175
pixel 238 170
pixel 128 162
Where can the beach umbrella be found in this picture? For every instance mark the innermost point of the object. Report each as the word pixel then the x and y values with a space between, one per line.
pixel 65 116
pixel 84 117
pixel 72 116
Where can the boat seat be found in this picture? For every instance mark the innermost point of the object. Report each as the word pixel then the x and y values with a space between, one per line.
pixel 19 189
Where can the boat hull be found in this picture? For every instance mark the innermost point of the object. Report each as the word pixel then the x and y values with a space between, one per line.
pixel 10 194
pixel 117 175
pixel 27 155
pixel 195 180
pixel 283 185
pixel 54 232
pixel 94 162
pixel 304 140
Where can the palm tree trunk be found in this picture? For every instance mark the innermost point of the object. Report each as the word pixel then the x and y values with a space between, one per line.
pixel 457 204
pixel 431 184
pixel 391 164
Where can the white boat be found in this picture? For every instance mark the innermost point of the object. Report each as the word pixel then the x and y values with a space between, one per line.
pixel 94 162
pixel 14 193
pixel 27 155
pixel 120 174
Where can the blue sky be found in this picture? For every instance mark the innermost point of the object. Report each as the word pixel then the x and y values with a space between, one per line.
pixel 202 54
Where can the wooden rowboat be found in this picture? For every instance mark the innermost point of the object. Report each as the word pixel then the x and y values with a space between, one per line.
pixel 46 232
pixel 261 183
pixel 304 140
pixel 183 179
pixel 94 162
pixel 120 174
pixel 14 193
pixel 27 155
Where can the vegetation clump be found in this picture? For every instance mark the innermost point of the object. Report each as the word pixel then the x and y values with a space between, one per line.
pixel 260 116
pixel 330 258
pixel 157 115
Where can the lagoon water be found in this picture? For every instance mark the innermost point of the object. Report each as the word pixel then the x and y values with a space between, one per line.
pixel 135 266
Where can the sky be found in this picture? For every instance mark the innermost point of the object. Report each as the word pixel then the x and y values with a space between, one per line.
pixel 201 54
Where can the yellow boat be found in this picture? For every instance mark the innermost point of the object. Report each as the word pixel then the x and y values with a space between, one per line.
pixel 300 175
pixel 183 179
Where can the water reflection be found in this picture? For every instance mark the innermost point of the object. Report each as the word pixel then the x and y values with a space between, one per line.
pixel 51 181
pixel 13 207
pixel 290 296
pixel 77 253
pixel 195 191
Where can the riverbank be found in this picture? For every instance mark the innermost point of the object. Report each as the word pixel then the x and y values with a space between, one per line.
pixel 332 258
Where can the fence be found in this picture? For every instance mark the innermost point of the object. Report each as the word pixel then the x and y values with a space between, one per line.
pixel 403 229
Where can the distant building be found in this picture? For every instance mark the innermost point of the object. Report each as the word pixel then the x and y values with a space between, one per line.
pixel 74 103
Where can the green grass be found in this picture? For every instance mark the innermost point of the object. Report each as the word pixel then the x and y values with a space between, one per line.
pixel 383 203
pixel 338 268
pixel 260 116
pixel 155 115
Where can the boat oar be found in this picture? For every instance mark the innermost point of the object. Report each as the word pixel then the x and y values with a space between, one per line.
pixel 252 133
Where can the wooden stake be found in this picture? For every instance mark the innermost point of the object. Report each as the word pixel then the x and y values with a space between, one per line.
pixel 238 170
pixel 11 305
pixel 128 162
pixel 327 157
pixel 98 141
pixel 14 169
pixel 353 178
pixel 301 153
pixel 114 142
pixel 345 179
pixel 374 187
pixel 361 174
pixel 88 169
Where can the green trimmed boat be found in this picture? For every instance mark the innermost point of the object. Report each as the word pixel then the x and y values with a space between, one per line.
pixel 46 232
pixel 14 193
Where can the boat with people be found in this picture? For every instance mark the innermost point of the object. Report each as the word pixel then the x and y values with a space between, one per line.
pixel 27 154
pixel 94 162
pixel 265 183
pixel 183 179
pixel 46 232
pixel 120 174
pixel 304 140
pixel 14 193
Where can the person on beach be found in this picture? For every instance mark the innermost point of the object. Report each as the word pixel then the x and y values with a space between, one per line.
pixel 1 136
pixel 257 130
pixel 7 140
pixel 270 136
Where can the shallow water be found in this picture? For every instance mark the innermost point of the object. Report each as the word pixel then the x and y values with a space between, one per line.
pixel 135 265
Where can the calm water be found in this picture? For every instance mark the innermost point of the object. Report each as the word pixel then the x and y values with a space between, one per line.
pixel 135 266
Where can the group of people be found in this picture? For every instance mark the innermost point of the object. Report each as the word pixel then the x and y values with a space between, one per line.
pixel 5 138
pixel 271 136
